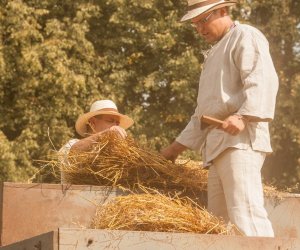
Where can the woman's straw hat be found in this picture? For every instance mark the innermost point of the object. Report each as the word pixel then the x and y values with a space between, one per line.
pixel 198 7
pixel 102 107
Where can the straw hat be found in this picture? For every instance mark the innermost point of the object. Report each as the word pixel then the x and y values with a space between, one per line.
pixel 198 7
pixel 103 107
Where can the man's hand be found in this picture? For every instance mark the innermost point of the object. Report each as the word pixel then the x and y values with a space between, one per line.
pixel 119 130
pixel 234 124
pixel 172 151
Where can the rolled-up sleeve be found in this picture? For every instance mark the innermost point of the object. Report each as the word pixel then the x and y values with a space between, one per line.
pixel 260 81
pixel 192 136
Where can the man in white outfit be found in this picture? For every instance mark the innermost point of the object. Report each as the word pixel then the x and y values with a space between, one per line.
pixel 102 117
pixel 238 84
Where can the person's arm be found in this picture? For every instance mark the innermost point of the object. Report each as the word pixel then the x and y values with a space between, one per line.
pixel 192 137
pixel 258 76
pixel 86 144
pixel 260 82
pixel 172 151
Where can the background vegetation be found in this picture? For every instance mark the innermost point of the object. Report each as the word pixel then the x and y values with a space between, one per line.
pixel 56 57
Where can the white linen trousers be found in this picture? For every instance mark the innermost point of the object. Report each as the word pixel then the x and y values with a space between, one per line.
pixel 235 191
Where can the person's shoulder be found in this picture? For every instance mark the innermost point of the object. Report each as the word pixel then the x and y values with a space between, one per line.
pixel 248 30
pixel 72 141
pixel 69 144
pixel 249 34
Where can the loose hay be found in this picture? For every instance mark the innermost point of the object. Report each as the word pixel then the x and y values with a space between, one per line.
pixel 158 213
pixel 273 194
pixel 121 162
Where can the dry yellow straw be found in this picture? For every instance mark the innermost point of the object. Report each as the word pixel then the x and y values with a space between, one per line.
pixel 156 212
pixel 121 162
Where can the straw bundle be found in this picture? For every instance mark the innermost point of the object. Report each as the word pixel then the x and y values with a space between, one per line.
pixel 118 162
pixel 156 212
pixel 121 162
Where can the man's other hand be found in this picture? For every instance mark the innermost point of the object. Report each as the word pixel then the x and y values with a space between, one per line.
pixel 119 130
pixel 234 124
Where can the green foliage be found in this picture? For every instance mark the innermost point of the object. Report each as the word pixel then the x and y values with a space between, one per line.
pixel 49 72
pixel 56 57
pixel 153 65
pixel 7 160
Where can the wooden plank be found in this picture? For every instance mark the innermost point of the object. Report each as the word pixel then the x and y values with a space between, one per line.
pixel 130 240
pixel 47 241
pixel 284 213
pixel 1 213
pixel 63 187
pixel 28 210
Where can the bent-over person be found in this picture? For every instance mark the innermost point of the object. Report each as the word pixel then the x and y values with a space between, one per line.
pixel 102 117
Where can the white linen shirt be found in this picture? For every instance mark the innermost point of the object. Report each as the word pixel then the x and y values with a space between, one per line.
pixel 238 76
pixel 63 156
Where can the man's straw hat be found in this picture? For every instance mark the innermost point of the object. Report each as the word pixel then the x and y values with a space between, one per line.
pixel 102 107
pixel 198 7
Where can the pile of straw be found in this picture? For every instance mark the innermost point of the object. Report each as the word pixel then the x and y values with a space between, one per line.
pixel 118 162
pixel 121 162
pixel 156 212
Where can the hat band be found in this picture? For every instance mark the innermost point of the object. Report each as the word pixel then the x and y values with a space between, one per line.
pixel 199 5
pixel 108 109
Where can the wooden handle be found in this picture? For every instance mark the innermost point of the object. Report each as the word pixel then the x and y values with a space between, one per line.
pixel 211 121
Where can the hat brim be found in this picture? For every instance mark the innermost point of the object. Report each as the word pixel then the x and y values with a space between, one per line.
pixel 82 121
pixel 201 10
